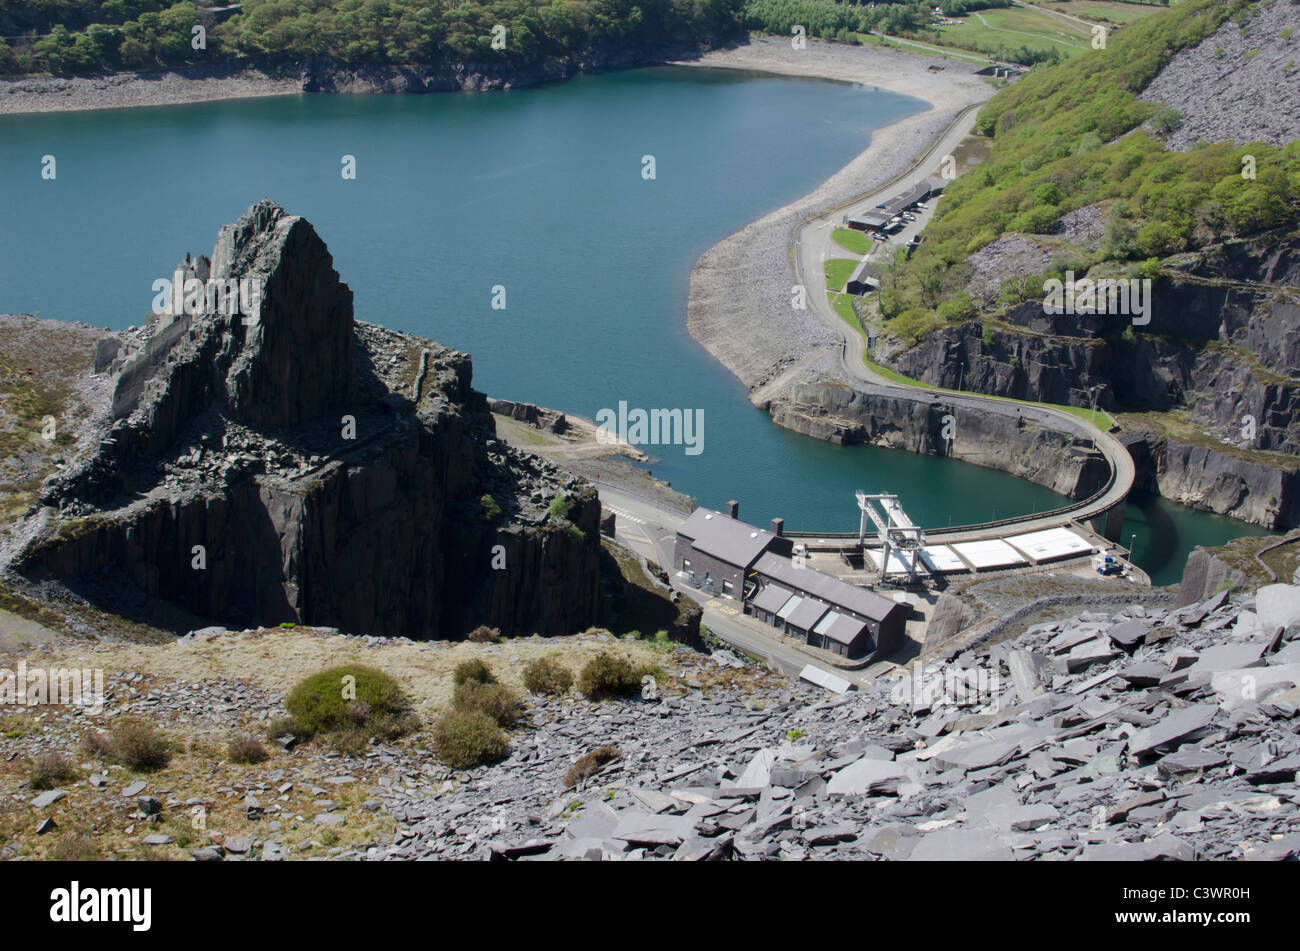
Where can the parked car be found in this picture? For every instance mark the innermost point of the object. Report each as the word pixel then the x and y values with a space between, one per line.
pixel 1107 565
pixel 908 217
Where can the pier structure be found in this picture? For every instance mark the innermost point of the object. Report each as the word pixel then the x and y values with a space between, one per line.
pixel 898 537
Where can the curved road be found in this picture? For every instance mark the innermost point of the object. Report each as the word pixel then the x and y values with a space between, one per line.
pixel 813 245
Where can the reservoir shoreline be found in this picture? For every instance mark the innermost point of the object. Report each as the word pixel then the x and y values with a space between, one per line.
pixel 739 308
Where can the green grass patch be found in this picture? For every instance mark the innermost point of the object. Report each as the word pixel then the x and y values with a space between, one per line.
pixel 838 271
pixel 1016 34
pixel 1104 11
pixel 851 239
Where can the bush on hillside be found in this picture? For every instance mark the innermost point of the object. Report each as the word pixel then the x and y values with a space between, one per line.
pixel 547 675
pixel 465 739
pixel 351 699
pixel 607 675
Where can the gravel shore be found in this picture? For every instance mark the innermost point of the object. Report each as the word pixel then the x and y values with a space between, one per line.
pixel 739 307
pixel 163 88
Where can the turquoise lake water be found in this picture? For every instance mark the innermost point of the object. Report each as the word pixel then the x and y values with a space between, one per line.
pixel 539 191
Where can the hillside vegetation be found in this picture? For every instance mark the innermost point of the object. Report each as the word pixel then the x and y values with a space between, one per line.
pixel 1076 135
pixel 76 36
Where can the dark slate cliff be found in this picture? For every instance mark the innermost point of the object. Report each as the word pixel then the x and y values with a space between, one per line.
pixel 1222 349
pixel 998 437
pixel 291 464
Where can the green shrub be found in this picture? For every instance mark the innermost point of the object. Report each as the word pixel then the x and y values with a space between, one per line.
pixel 245 750
pixel 495 700
pixel 350 698
pixel 560 506
pixel 957 308
pixel 607 675
pixel 1166 120
pixel 490 508
pixel 547 675
pixel 464 739
pixel 914 324
pixel 50 770
pixel 589 764
pixel 472 671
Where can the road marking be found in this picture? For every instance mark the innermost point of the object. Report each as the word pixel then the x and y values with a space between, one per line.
pixel 627 515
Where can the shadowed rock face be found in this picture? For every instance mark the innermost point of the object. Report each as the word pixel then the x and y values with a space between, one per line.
pixel 296 358
pixel 291 464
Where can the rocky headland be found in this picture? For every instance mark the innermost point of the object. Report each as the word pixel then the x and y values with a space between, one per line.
pixel 289 464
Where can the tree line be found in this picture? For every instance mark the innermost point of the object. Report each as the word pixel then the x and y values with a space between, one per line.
pixel 76 36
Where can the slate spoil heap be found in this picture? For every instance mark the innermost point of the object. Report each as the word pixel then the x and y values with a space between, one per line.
pixel 1148 734
pixel 294 465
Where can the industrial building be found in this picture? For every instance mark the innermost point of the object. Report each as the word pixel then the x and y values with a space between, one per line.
pixel 714 551
pixel 868 221
pixel 879 219
pixel 722 555
pixel 865 277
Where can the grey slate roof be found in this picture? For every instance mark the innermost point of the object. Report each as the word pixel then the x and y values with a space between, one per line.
pixel 873 219
pixel 841 628
pixel 908 198
pixel 790 607
pixel 863 272
pixel 726 539
pixel 771 599
pixel 823 586
pixel 807 614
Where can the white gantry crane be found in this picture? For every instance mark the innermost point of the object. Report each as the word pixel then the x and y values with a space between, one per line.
pixel 894 529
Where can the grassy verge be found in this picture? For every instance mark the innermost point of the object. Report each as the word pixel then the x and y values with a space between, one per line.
pixel 842 304
pixel 1103 419
pixel 873 39
pixel 1177 426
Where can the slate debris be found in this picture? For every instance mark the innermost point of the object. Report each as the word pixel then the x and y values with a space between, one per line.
pixel 1111 736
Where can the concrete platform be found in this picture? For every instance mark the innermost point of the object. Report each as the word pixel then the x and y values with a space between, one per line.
pixel 989 554
pixel 1050 545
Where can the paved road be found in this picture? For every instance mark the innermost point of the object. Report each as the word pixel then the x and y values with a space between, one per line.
pixel 814 244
